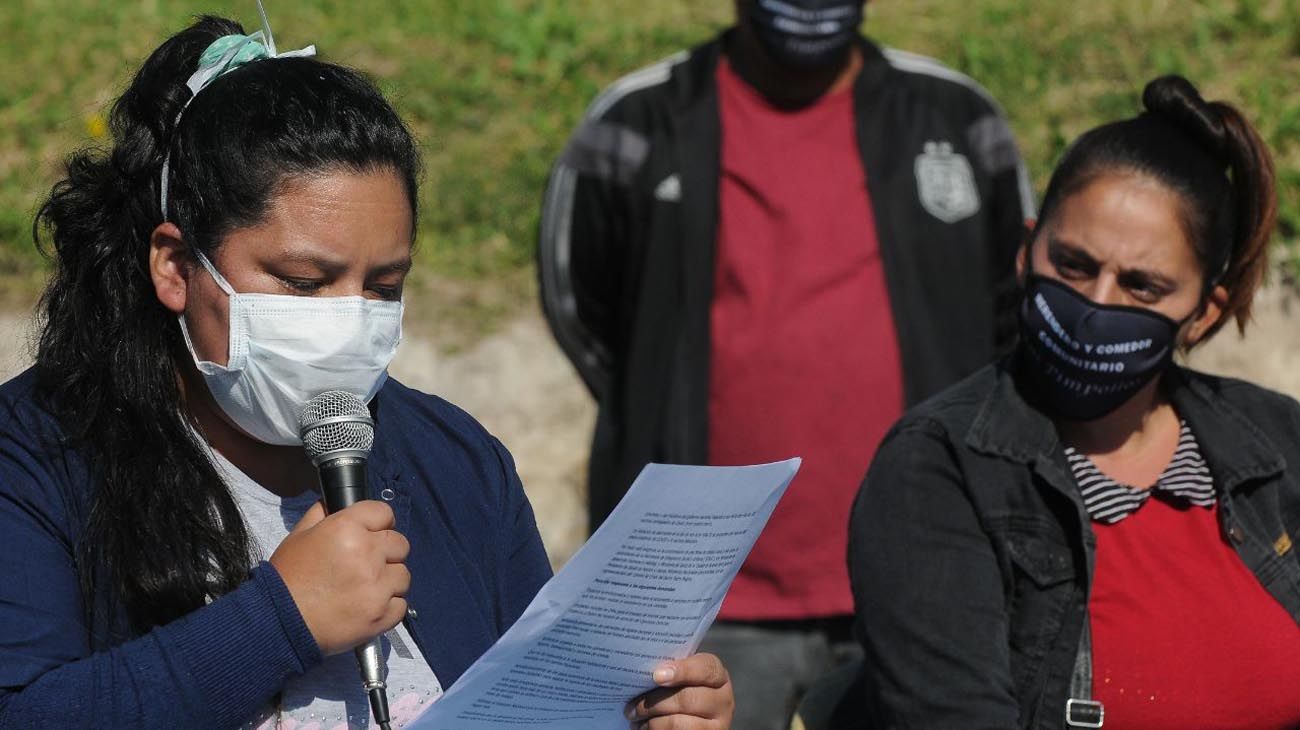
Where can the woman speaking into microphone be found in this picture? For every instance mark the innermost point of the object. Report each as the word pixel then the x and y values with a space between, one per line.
pixel 1088 533
pixel 164 560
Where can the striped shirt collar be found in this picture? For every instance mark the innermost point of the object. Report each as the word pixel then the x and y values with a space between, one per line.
pixel 1186 480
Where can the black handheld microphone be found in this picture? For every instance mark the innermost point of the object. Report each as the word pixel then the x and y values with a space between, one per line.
pixel 338 433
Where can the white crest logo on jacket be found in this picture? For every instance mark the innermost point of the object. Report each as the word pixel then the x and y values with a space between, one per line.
pixel 945 183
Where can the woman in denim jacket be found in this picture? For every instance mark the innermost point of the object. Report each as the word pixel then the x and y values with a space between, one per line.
pixel 1087 532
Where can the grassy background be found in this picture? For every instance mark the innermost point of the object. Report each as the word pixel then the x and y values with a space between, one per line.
pixel 493 87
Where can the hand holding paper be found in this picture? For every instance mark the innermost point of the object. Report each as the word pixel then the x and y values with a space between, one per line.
pixel 642 590
pixel 697 688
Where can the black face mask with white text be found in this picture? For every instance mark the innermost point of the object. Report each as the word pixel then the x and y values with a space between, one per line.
pixel 806 34
pixel 1089 358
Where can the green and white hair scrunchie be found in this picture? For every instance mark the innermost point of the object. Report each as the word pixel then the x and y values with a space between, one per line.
pixel 224 55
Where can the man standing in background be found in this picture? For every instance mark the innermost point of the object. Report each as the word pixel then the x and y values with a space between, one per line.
pixel 767 247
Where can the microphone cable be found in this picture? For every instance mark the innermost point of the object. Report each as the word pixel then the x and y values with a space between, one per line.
pixel 379 707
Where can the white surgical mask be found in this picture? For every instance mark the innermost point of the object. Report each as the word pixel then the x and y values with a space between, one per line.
pixel 285 349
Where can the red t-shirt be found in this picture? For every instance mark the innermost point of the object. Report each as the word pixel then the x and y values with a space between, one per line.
pixel 804 358
pixel 1184 635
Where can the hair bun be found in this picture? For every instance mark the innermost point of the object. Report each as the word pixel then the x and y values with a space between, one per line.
pixel 1175 100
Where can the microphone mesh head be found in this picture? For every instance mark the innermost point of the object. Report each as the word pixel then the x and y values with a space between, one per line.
pixel 336 421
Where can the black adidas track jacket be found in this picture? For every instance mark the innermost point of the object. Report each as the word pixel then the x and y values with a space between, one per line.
pixel 628 230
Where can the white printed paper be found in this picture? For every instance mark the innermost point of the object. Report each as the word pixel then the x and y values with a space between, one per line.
pixel 642 590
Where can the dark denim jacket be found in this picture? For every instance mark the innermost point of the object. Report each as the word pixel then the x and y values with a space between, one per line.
pixel 971 553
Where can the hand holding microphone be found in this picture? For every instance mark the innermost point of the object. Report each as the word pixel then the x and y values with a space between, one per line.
pixel 345 573
pixel 344 570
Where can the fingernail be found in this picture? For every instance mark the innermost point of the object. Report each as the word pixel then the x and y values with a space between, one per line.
pixel 664 674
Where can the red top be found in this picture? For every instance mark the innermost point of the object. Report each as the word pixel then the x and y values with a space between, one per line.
pixel 1184 635
pixel 804 357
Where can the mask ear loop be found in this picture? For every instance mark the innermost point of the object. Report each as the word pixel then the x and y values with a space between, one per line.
pixel 216 275
pixel 205 366
pixel 1030 274
pixel 1211 284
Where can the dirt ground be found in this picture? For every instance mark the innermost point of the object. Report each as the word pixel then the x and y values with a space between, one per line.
pixel 1269 354
pixel 517 383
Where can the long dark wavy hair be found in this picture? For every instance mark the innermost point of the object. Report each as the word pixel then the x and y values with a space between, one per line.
pixel 163 534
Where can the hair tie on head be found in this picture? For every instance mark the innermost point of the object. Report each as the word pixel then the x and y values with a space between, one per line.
pixel 222 56
pixel 1177 101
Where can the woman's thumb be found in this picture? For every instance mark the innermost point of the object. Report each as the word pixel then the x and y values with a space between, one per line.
pixel 312 518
